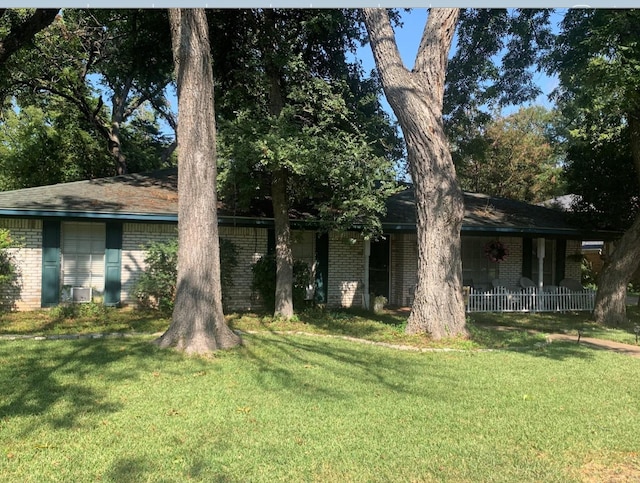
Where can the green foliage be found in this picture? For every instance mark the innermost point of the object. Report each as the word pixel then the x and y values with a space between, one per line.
pixel 324 128
pixel 264 281
pixel 47 145
pixel 492 62
pixel 515 156
pixel 602 174
pixel 156 286
pixel 597 59
pixel 83 56
pixel 588 278
pixel 92 310
pixel 9 276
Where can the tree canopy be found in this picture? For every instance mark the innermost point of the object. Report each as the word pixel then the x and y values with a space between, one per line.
pixel 514 156
pixel 597 59
pixel 299 123
pixel 112 68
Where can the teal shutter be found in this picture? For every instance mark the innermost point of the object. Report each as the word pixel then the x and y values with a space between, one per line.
pixel 322 267
pixel 113 264
pixel 50 293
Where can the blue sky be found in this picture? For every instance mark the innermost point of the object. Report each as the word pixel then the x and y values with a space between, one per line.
pixel 408 39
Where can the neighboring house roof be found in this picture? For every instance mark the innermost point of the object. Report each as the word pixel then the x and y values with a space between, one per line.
pixel 562 203
pixel 153 197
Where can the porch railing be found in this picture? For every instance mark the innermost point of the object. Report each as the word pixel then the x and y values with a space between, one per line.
pixel 556 299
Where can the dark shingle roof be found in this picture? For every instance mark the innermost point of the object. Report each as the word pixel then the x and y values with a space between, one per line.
pixel 154 197
pixel 143 194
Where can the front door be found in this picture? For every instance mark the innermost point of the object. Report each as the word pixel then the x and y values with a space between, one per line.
pixel 379 268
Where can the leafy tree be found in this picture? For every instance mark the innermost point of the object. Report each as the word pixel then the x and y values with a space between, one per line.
pixel 598 172
pixel 597 59
pixel 299 124
pixel 264 280
pixel 417 97
pixel 156 286
pixel 87 54
pixel 198 324
pixel 40 147
pixel 19 26
pixel 9 274
pixel 514 157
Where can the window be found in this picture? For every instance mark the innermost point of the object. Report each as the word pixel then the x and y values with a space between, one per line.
pixel 83 247
pixel 549 262
pixel 477 269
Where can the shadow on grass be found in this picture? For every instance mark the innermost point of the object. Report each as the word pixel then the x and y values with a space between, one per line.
pixel 347 323
pixel 289 362
pixel 58 378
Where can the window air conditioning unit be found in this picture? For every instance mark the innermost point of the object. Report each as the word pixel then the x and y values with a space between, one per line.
pixel 81 295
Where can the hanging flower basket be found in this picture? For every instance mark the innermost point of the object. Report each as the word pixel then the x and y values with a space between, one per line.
pixel 496 251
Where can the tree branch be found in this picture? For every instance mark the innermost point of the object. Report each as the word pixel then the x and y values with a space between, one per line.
pixel 436 38
pixel 23 33
pixel 383 41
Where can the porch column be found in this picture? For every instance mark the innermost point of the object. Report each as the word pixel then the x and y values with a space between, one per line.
pixel 540 262
pixel 367 253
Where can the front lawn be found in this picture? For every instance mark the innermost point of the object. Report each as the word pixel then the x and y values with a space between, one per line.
pixel 487 330
pixel 307 408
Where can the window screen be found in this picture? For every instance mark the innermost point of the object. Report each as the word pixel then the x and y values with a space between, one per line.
pixel 83 246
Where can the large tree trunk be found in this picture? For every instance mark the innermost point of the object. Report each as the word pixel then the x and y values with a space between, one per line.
pixel 284 254
pixel 118 101
pixel 416 98
pixel 279 198
pixel 198 324
pixel 611 300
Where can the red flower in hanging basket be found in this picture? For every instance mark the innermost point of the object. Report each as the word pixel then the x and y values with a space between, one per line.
pixel 496 251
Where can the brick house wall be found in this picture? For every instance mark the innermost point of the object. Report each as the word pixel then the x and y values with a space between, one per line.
pixel 251 244
pixel 404 256
pixel 346 262
pixel 510 270
pixel 28 258
pixel 136 237
pixel 346 270
pixel 573 267
pixel 404 263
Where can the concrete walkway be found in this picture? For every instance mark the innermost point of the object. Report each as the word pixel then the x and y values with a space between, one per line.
pixel 627 349
pixel 620 348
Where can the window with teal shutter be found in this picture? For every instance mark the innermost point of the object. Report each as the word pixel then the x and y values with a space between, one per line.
pixel 50 293
pixel 112 264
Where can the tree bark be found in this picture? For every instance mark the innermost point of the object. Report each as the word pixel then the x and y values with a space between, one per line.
pixel 284 254
pixel 198 324
pixel 416 98
pixel 611 299
pixel 279 197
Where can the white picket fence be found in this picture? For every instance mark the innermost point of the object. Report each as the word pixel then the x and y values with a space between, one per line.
pixel 557 299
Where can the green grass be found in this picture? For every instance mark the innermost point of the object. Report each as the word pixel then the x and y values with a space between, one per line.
pixel 487 330
pixel 569 323
pixel 81 319
pixel 300 408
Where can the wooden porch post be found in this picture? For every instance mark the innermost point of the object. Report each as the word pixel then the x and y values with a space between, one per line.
pixel 541 243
